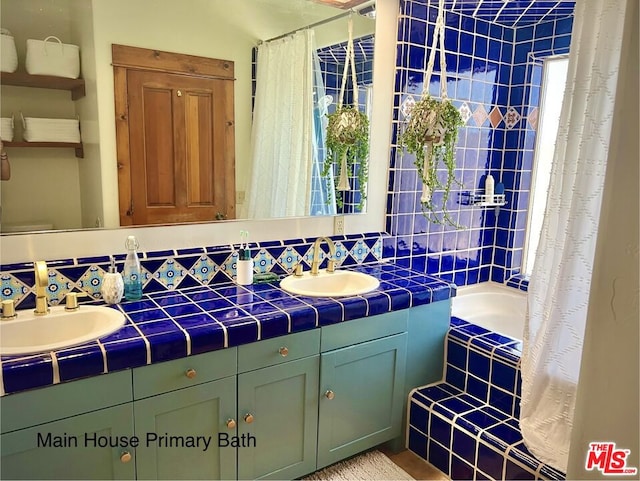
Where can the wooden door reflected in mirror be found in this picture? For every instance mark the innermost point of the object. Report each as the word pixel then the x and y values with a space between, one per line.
pixel 175 137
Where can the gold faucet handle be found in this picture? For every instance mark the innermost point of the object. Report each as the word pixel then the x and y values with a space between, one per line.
pixel 71 300
pixel 331 265
pixel 298 270
pixel 8 310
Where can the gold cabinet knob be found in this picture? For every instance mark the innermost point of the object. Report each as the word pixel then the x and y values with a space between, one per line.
pixel 329 394
pixel 190 373
pixel 284 351
pixel 248 418
pixel 231 423
pixel 125 457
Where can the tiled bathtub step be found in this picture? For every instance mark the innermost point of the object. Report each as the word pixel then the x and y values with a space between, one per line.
pixel 484 365
pixel 467 438
pixel 490 378
pixel 485 342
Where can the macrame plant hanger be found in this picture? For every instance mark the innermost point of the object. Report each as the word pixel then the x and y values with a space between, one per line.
pixel 435 130
pixel 343 178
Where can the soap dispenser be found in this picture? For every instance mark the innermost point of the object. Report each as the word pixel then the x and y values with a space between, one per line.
pixel 112 287
pixel 132 271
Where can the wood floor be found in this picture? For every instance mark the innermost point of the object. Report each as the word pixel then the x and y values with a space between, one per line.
pixel 413 464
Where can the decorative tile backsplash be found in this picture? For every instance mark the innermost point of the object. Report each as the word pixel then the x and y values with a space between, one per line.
pixel 183 268
pixel 494 79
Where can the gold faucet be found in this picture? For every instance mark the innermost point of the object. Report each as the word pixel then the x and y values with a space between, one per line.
pixel 42 283
pixel 331 265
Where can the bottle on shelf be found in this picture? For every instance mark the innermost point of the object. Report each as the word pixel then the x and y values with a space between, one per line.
pixel 132 271
pixel 489 186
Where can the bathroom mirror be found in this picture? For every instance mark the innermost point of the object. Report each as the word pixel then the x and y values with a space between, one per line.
pixel 94 242
pixel 82 193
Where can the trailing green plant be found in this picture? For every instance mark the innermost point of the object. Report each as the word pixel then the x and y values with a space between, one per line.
pixel 348 140
pixel 431 135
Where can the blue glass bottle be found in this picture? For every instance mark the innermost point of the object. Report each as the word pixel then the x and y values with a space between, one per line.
pixel 132 272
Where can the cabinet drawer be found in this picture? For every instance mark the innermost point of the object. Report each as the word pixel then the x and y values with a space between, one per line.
pixel 278 350
pixel 183 372
pixel 44 405
pixel 365 329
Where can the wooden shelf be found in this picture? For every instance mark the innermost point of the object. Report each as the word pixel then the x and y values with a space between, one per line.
pixel 79 148
pixel 22 79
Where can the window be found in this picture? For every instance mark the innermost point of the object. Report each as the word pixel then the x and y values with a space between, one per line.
pixel 553 82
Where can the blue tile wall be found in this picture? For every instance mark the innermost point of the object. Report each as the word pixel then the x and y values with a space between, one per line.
pixel 169 270
pixel 493 78
pixel 535 43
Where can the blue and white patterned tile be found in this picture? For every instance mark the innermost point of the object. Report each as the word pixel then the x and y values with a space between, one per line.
pixel 12 288
pixel 289 259
pixel 170 274
pixel 230 265
pixel 341 253
pixel 360 251
pixel 308 257
pixel 204 269
pixel 58 287
pixel 377 249
pixel 263 262
pixel 91 281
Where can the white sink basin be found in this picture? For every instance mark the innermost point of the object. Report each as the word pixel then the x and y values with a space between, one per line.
pixel 327 284
pixel 28 333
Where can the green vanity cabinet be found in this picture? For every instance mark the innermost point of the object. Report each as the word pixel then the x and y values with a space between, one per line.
pixel 278 419
pixel 261 421
pixel 361 387
pixel 179 431
pixel 181 409
pixel 77 458
pixel 278 407
pixel 66 431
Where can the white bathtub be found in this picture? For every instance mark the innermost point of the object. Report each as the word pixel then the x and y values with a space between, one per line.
pixel 493 306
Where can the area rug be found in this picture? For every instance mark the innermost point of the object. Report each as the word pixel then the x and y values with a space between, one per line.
pixel 371 465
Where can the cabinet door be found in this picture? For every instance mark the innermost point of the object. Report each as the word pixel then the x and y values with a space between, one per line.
pixel 278 441
pixel 361 398
pixel 71 448
pixel 180 147
pixel 174 427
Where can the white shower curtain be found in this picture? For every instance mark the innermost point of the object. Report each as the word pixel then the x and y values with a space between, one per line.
pixel 282 132
pixel 559 286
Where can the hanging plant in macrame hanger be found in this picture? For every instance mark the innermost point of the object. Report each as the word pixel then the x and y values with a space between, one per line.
pixel 431 133
pixel 348 135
